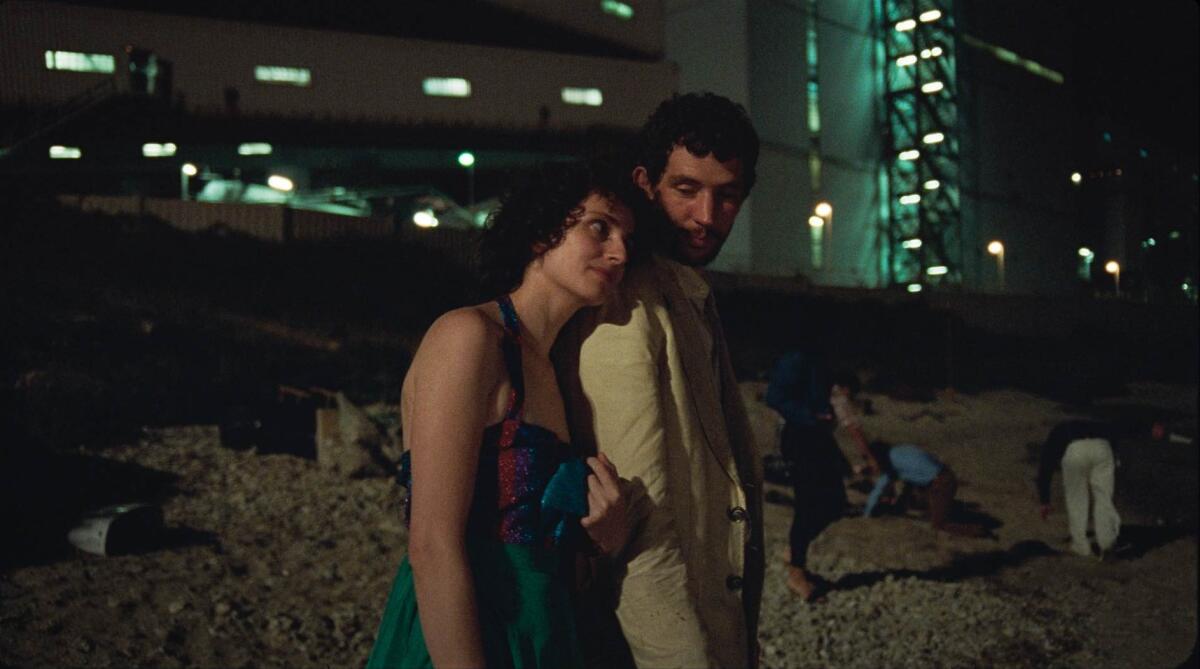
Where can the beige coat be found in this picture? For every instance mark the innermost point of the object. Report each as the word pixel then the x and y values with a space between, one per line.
pixel 655 391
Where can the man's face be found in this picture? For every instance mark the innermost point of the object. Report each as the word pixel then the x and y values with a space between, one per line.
pixel 700 197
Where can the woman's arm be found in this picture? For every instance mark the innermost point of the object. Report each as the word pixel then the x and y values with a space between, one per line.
pixel 455 374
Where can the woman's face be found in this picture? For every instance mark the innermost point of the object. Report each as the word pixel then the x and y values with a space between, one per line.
pixel 590 260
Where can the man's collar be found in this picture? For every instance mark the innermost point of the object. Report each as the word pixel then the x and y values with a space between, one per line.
pixel 689 279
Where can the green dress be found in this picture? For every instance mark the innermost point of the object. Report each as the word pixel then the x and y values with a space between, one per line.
pixel 529 495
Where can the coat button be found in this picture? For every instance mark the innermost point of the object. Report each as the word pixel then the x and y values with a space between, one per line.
pixel 733 582
pixel 737 514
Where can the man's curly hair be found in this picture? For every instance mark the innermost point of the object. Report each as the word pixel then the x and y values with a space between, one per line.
pixel 703 123
pixel 534 215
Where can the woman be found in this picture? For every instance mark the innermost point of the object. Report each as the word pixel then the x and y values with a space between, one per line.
pixel 495 493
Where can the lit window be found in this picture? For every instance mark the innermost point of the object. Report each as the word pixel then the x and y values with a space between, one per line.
pixel 156 150
pixel 905 61
pixel 906 25
pixel 617 8
pixel 80 62
pixel 255 149
pixel 448 87
pixel 933 184
pixel 911 198
pixel 937 270
pixel 591 97
pixel 280 182
pixel 59 152
pixel 274 74
pixel 911 243
pixel 931 15
pixel 911 154
pixel 932 87
pixel 933 138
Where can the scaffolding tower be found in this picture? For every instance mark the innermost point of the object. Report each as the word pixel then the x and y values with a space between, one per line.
pixel 922 240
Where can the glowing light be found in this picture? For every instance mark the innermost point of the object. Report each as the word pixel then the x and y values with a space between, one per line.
pixel 906 25
pixel 911 198
pixel 932 87
pixel 1085 252
pixel 616 8
pixel 1151 242
pixel 1174 234
pixel 931 53
pixel 591 97
pixel 914 287
pixel 189 169
pixel 995 248
pixel 933 138
pixel 425 219
pixel 74 61
pixel 823 209
pixel 933 184
pixel 1076 178
pixel 255 149
pixel 930 16
pixel 447 87
pixel 815 221
pixel 1112 267
pixel 274 74
pixel 59 152
pixel 910 154
pixel 280 182
pixel 937 270
pixel 156 150
pixel 466 159
pixel 905 61
pixel 911 243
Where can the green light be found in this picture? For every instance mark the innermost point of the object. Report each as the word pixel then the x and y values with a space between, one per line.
pixel 591 97
pixel 254 149
pixel 275 74
pixel 59 152
pixel 616 8
pixel 156 150
pixel 914 287
pixel 466 159
pixel 937 270
pixel 1174 234
pixel 446 87
pixel 74 61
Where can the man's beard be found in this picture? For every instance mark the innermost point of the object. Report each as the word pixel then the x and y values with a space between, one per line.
pixel 675 242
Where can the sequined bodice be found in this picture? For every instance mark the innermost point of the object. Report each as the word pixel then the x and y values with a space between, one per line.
pixel 517 462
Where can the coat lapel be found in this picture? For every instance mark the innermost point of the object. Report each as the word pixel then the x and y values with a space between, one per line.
pixel 698 367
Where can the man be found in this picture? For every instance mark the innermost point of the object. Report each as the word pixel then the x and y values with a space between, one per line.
pixel 916 467
pixel 812 402
pixel 656 392
pixel 1084 449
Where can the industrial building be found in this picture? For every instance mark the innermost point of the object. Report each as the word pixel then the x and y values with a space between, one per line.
pixel 915 145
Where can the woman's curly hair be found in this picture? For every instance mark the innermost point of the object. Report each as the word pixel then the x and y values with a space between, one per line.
pixel 534 215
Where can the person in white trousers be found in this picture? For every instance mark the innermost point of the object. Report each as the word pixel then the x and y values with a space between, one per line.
pixel 1084 449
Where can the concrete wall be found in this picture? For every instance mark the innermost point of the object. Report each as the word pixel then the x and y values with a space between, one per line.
pixel 354 77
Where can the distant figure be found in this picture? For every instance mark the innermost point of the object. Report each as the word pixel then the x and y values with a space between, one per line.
pixel 803 390
pixel 1085 451
pixel 918 468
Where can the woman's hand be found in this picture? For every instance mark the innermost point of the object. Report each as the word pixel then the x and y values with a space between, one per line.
pixel 607 522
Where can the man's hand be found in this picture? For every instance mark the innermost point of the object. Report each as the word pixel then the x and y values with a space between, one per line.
pixel 1044 510
pixel 607 522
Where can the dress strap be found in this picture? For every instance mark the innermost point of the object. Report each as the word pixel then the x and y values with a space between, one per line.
pixel 512 360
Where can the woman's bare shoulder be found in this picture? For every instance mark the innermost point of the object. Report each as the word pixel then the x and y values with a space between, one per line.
pixel 467 335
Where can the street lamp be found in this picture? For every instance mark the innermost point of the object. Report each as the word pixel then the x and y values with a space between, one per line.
pixel 996 248
pixel 467 160
pixel 186 172
pixel 1114 268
